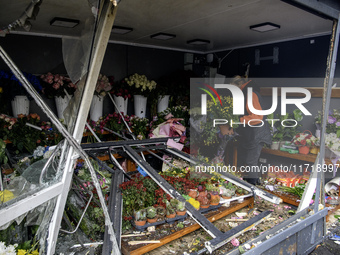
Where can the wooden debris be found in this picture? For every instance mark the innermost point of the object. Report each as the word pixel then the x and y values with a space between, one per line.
pixel 142 242
pixel 141 234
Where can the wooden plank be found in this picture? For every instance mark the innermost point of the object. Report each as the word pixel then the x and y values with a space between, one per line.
pixel 228 210
pixel 298 156
pixel 285 199
pixel 315 92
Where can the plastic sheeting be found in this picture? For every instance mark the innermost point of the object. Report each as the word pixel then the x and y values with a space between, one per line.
pixel 76 56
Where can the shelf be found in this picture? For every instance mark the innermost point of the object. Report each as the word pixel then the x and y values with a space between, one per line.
pixel 302 157
pixel 315 92
pixel 222 212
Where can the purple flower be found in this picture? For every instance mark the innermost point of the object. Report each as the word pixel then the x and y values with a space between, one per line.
pixel 331 120
pixel 338 124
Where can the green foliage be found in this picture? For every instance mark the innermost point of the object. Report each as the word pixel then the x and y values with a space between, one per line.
pixel 180 206
pixel 282 133
pixel 140 215
pixel 3 157
pixel 297 190
pixel 139 127
pixel 151 212
pixel 169 208
pixel 217 111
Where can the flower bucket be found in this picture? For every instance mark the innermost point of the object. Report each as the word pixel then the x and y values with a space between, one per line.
pixel 140 105
pixel 304 150
pixel 96 110
pixel 163 103
pixel 61 104
pixel 20 105
pixel 275 145
pixel 121 104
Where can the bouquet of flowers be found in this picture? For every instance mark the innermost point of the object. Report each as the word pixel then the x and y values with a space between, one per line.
pixel 56 85
pixel 139 126
pixel 333 143
pixel 333 122
pixel 140 85
pixel 305 139
pixel 121 90
pixel 103 85
pixel 115 122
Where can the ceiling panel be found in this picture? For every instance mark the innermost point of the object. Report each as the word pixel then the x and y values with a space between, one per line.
pixel 224 22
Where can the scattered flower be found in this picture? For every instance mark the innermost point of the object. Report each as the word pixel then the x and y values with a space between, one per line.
pixel 235 242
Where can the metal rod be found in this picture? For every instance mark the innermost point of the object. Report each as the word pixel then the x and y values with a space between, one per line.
pixel 81 217
pixel 200 219
pixel 126 125
pixel 154 154
pixel 121 115
pixel 47 164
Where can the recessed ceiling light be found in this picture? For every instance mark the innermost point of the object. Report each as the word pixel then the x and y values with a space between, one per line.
pixel 198 42
pixel 264 27
pixel 121 30
pixel 62 22
pixel 162 36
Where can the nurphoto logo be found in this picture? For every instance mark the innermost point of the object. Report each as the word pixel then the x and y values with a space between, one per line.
pixel 239 103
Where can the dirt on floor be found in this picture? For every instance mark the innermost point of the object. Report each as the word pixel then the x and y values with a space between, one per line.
pixel 195 240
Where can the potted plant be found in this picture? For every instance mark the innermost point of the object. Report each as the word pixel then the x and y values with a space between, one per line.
pixel 160 211
pixel 151 214
pixel 180 208
pixel 203 197
pixel 282 134
pixel 121 95
pixel 193 193
pixel 140 217
pixel 227 189
pixel 239 191
pixel 170 211
pixel 304 141
pixel 218 111
pixel 214 194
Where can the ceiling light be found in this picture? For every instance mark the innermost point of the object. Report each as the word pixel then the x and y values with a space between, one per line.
pixel 121 30
pixel 162 36
pixel 198 42
pixel 62 22
pixel 264 27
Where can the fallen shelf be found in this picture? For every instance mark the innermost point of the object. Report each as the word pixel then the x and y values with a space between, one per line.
pixel 212 216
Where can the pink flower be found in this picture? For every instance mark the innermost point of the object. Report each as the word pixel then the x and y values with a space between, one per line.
pixel 235 242
pixel 56 86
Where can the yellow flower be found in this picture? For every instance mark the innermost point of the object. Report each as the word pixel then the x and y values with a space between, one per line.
pixel 194 203
pixel 1 90
pixel 6 195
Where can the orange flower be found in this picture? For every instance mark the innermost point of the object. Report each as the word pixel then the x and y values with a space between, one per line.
pixel 20 116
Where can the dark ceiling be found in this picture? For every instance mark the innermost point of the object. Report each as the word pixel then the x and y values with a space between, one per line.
pixel 225 23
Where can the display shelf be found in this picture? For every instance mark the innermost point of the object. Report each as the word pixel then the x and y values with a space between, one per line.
pixel 286 199
pixel 212 216
pixel 308 158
